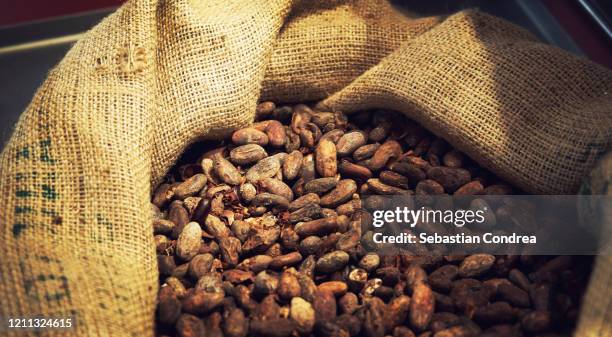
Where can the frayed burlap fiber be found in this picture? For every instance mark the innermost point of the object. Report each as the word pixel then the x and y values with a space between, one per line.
pixel 155 76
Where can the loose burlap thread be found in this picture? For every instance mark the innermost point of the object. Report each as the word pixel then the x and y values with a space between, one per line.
pixel 154 77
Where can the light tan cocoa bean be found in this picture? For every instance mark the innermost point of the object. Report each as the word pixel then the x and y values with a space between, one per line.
pixel 350 142
pixel 249 136
pixel 292 165
pixel 256 263
pixel 216 227
pixel 247 192
pixel 265 168
pixel 226 171
pixel 247 154
pixel 277 187
pixel 270 200
pixel 326 162
pixel 333 135
pixel 310 198
pixel 475 265
pixel 332 262
pixel 189 240
pixel 303 314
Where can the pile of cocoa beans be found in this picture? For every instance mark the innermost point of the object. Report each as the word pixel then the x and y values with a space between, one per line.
pixel 262 235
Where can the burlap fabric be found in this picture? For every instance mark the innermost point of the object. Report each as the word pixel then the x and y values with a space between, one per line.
pixel 130 96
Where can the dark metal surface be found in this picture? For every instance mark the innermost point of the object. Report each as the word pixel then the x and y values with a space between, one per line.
pixel 24 67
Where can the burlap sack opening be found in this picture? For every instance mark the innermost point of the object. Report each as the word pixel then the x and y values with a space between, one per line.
pixel 113 116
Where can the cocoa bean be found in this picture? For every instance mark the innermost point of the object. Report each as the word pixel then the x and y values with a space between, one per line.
pixel 249 136
pixel 326 163
pixel 247 154
pixel 292 165
pixel 189 240
pixel 343 192
pixel 422 305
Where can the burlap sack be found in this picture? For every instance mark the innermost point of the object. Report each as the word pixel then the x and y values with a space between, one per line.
pixel 113 116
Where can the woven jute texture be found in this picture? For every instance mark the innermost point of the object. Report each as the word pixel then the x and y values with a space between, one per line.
pixel 596 315
pixel 154 77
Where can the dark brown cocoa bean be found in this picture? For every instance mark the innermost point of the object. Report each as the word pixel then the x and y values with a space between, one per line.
pixel 169 306
pixel 348 169
pixel 324 304
pixel 536 321
pixel 190 326
pixel 387 151
pixel 514 295
pixel 321 185
pixel 450 178
pixel 342 193
pixel 264 109
pixel 235 323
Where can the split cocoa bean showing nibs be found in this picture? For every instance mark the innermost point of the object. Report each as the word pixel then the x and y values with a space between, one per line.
pixel 267 234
